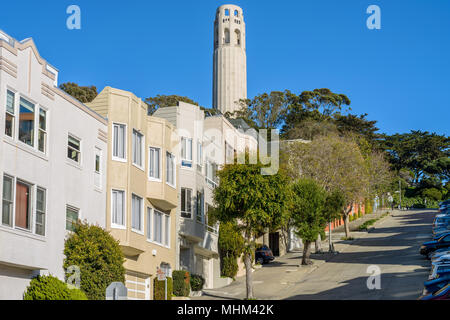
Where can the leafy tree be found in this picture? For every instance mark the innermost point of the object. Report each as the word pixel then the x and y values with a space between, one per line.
pixel 231 246
pixel 82 94
pixel 308 203
pixel 163 101
pixel 99 257
pixel 335 163
pixel 318 105
pixel 265 111
pixel 423 153
pixel 351 123
pixel 252 200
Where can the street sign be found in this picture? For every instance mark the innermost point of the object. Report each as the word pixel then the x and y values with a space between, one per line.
pixel 116 291
pixel 161 275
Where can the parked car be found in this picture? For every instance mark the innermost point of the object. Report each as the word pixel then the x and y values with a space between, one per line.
pixel 440 234
pixel 263 255
pixel 431 286
pixel 441 221
pixel 441 259
pixel 442 294
pixel 431 246
pixel 441 230
pixel 439 253
pixel 438 270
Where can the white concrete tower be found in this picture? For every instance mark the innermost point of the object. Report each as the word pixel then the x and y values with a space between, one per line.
pixel 230 60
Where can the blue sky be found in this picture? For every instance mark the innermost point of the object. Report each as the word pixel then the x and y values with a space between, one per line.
pixel 399 75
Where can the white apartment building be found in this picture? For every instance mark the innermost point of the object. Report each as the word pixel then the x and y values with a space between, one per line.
pixel 52 166
pixel 205 144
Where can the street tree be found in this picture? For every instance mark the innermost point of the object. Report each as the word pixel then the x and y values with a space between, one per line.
pixel 308 202
pixel 252 200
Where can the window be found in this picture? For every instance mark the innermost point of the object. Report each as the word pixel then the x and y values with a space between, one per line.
pixel 73 149
pixel 154 163
pixel 119 141
pixel 136 213
pixel 40 211
pixel 157 226
pixel 211 170
pixel 186 152
pixel 199 156
pixel 7 200
pixel 229 154
pixel 236 13
pixel 42 133
pixel 200 207
pixel 118 208
pixel 10 112
pixel 26 122
pixel 227 36
pixel 149 224
pixel 227 12
pixel 71 218
pixel 166 230
pixel 161 227
pixel 98 168
pixel 238 37
pixel 186 203
pixel 137 148
pixel 170 168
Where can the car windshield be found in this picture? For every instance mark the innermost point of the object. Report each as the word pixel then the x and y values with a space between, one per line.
pixel 442 290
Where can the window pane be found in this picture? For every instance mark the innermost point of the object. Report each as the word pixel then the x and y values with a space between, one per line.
pixel 42 119
pixel 149 223
pixel 9 125
pixel 157 165
pixel 10 101
pixel 74 143
pixel 7 202
pixel 183 199
pixel 118 207
pixel 40 211
pixel 71 218
pixel 119 141
pixel 73 149
pixel 167 229
pixel 41 140
pixel 26 122
pixel 137 148
pixel 136 205
pixel 97 163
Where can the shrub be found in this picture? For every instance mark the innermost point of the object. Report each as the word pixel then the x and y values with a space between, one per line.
pixel 99 257
pixel 159 289
pixel 181 283
pixel 231 246
pixel 197 282
pixel 51 288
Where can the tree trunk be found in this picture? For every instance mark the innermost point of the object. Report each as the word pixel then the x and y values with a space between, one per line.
pixel 347 227
pixel 248 275
pixel 318 244
pixel 306 253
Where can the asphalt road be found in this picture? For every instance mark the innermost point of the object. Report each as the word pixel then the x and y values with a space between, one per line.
pixel 393 247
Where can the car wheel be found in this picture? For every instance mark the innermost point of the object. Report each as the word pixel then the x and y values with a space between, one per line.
pixel 260 261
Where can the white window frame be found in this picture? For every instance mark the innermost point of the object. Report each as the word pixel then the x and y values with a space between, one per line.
pixel 124 204
pixel 141 213
pixel 200 155
pixel 125 142
pixel 74 209
pixel 12 201
pixel 150 159
pixel 35 125
pixel 135 134
pixel 174 169
pixel 167 233
pixel 79 151
pixel 165 226
pixel 44 212
pixel 13 115
pixel 187 203
pixel 186 152
pixel 154 240
pixel 44 132
pixel 98 175
pixel 149 224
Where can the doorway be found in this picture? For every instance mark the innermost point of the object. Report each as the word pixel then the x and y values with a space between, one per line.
pixel 274 243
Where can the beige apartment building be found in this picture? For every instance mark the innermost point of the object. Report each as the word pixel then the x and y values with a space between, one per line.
pixel 142 182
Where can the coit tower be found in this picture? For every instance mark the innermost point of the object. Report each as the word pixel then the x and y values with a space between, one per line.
pixel 230 60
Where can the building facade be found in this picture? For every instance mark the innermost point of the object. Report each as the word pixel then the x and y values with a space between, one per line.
pixel 142 183
pixel 229 59
pixel 206 144
pixel 52 166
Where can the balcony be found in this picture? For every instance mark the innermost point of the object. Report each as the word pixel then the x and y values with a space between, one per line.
pixel 205 236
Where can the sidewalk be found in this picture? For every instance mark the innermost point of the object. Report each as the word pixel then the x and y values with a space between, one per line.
pixel 284 272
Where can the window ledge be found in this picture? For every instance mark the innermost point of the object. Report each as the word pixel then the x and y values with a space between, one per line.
pixel 119 227
pixel 138 167
pixel 74 164
pixel 154 179
pixel 24 147
pixel 23 233
pixel 158 244
pixel 137 231
pixel 119 160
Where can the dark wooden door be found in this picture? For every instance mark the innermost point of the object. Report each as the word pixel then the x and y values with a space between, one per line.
pixel 274 243
pixel 22 205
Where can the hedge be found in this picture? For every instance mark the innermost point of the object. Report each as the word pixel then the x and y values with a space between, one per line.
pixel 231 245
pixel 51 288
pixel 197 282
pixel 99 257
pixel 159 289
pixel 181 283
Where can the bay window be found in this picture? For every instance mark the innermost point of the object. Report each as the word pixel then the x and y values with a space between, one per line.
pixel 154 163
pixel 26 122
pixel 137 148
pixel 136 213
pixel 186 203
